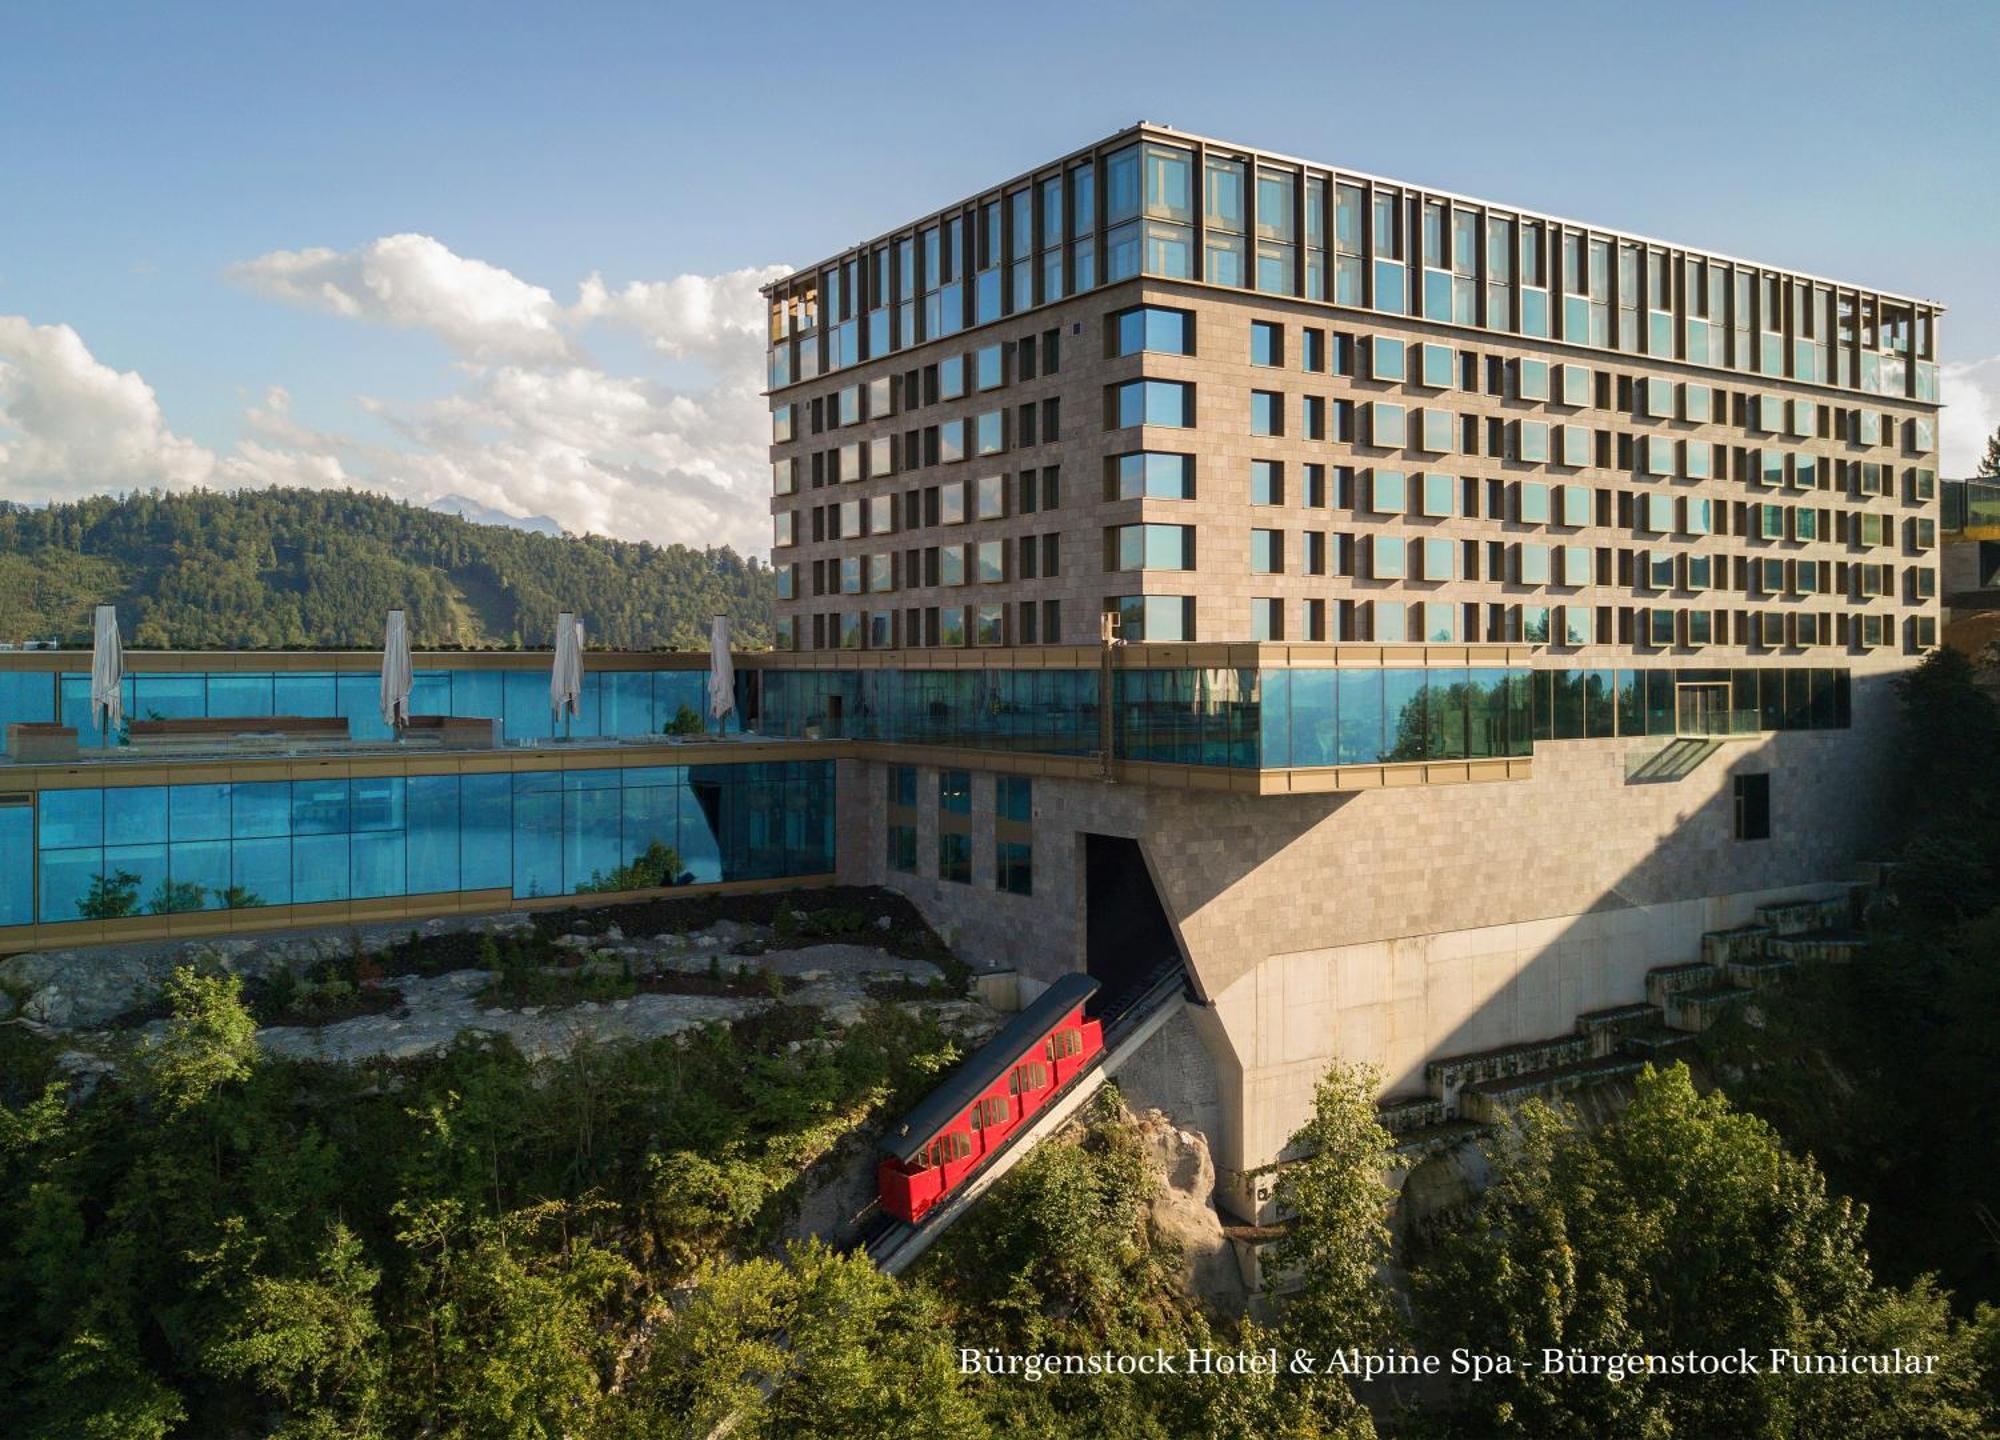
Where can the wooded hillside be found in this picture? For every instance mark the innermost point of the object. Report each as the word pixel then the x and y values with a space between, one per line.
pixel 284 569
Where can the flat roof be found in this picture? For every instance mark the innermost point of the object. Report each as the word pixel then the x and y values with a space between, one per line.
pixel 1145 128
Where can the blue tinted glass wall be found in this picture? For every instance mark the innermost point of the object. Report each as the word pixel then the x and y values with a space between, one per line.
pixel 614 703
pixel 111 853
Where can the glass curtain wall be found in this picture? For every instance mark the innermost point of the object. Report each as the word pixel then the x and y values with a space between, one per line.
pixel 614 703
pixel 115 852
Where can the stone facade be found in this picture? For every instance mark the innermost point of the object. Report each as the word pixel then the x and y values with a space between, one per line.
pixel 1394 926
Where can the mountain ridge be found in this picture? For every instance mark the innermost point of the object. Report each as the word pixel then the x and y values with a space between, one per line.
pixel 294 568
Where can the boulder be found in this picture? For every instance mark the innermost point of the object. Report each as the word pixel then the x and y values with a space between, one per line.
pixel 1183 1210
pixel 77 990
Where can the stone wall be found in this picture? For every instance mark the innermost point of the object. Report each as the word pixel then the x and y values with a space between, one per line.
pixel 1396 926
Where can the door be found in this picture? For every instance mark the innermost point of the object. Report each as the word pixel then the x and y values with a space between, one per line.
pixel 1703 707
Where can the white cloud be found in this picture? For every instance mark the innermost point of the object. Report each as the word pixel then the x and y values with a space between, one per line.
pixel 533 427
pixel 699 315
pixel 415 282
pixel 70 425
pixel 1971 396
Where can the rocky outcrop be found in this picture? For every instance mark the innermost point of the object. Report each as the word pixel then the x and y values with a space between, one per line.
pixel 438 1009
pixel 84 988
pixel 1184 1214
pixel 73 990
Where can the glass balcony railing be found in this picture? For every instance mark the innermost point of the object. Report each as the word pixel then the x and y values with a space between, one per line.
pixel 1721 724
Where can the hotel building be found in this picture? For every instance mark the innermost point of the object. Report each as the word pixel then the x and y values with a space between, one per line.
pixel 1501 604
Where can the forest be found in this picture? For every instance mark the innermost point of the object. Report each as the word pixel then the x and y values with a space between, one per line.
pixel 317 569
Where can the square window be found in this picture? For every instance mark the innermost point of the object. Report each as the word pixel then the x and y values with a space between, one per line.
pixel 1576 385
pixel 1437 366
pixel 1387 427
pixel 1388 492
pixel 1387 358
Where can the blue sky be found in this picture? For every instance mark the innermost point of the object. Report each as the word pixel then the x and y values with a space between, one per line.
pixel 172 174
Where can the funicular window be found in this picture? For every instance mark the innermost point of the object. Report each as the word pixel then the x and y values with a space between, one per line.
pixel 1065 1043
pixel 993 1110
pixel 955 1146
pixel 1032 1076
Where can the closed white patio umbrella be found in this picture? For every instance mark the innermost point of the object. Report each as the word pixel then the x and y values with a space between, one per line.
pixel 566 677
pixel 721 673
pixel 396 677
pixel 107 672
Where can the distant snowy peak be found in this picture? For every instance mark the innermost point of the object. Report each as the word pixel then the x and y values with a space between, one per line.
pixel 478 514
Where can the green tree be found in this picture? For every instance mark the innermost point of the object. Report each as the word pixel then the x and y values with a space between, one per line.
pixel 1989 460
pixel 312 1342
pixel 1337 1243
pixel 818 1346
pixel 210 1041
pixel 515 1324
pixel 1683 1226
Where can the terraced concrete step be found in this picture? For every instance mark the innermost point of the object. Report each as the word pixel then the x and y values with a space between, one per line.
pixel 1607 1027
pixel 1491 1100
pixel 1399 1117
pixel 1759 974
pixel 1448 1076
pixel 1695 1010
pixel 1669 980
pixel 1659 1047
pixel 1796 917
pixel 1745 942
pixel 1838 946
pixel 1429 1140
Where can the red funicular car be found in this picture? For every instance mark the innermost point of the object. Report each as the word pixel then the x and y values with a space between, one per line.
pixel 988 1098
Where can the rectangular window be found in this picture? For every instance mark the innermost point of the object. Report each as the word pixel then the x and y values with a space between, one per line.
pixel 1267 412
pixel 1267 552
pixel 1014 866
pixel 1153 618
pixel 1152 402
pixel 1152 474
pixel 1150 547
pixel 1267 482
pixel 1149 327
pixel 1267 619
pixel 955 857
pixel 1312 350
pixel 1267 343
pixel 1387 425
pixel 1753 807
